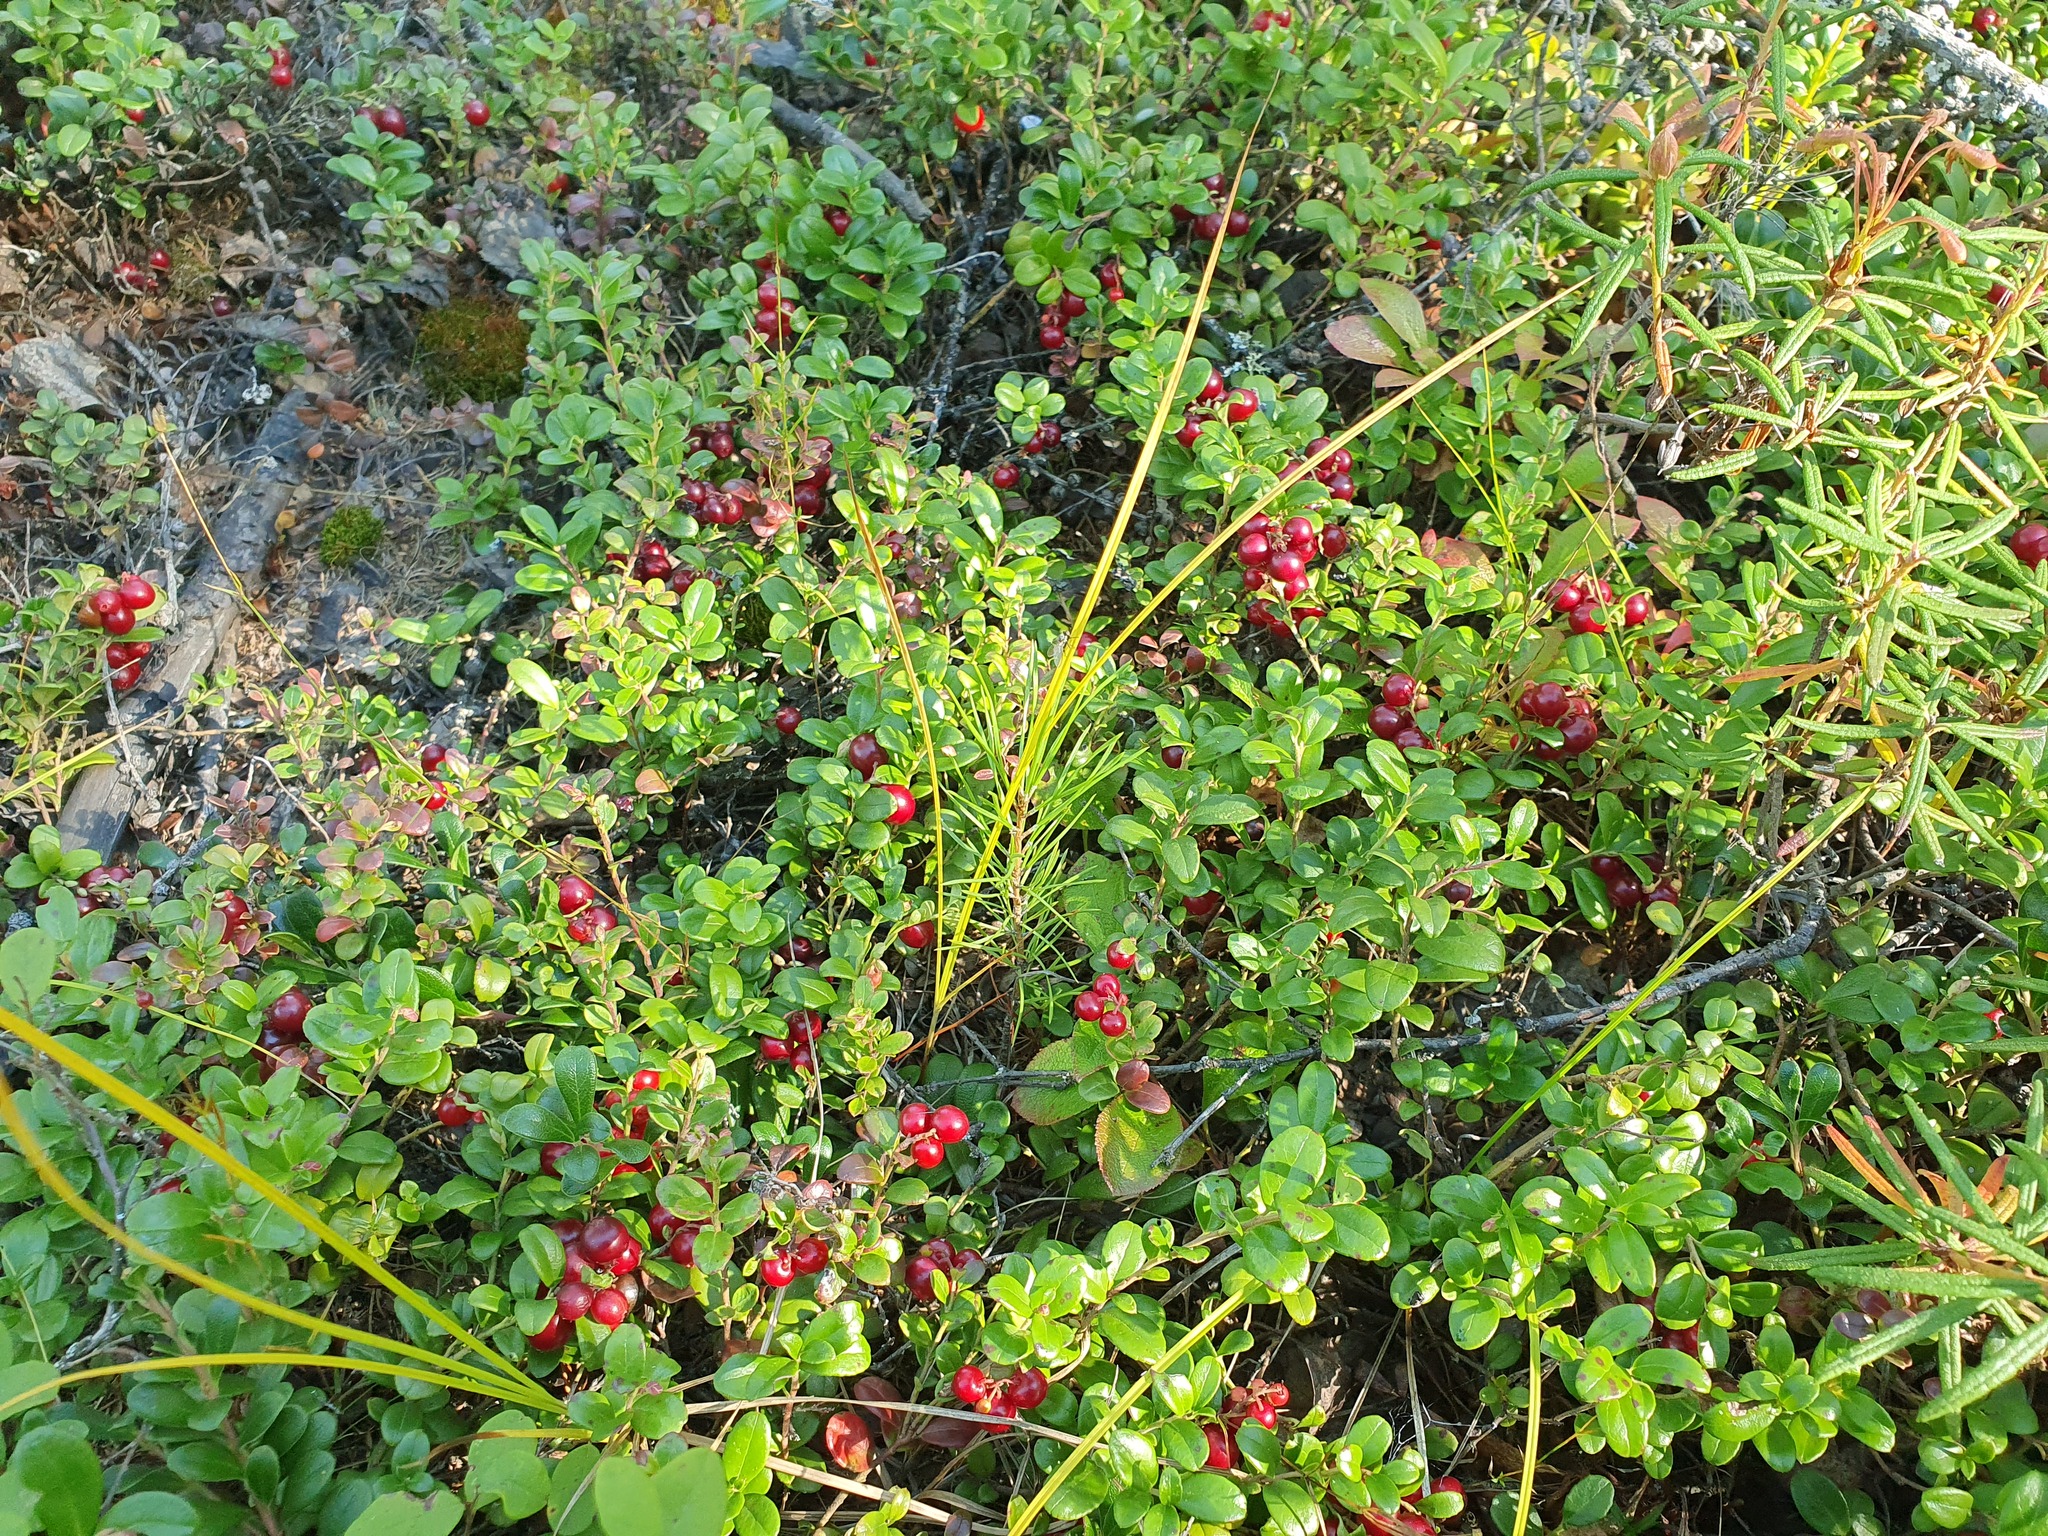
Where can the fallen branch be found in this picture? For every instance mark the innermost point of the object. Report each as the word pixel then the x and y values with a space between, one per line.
pixel 2009 90
pixel 811 126
pixel 209 608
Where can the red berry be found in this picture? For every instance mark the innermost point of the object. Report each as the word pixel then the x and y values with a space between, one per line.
pixel 159 260
pixel 645 1079
pixel 1204 905
pixel 1187 432
pixel 1107 986
pixel 550 1156
pixel 918 935
pixel 1566 596
pixel 288 1014
pixel 1580 732
pixel 950 1124
pixel 559 184
pixel 1028 1388
pixel 1237 223
pixel 1999 295
pixel 914 1119
pixel 1340 487
pixel 682 1246
pixel 574 894
pixel 281 76
pixel 927 1152
pixel 1399 690
pixel 970 1384
pixel 1984 22
pixel 1114 1024
pixel 1005 476
pixel 1222 1449
pixel 136 593
pixel 970 121
pixel 610 1308
pixel 1173 756
pixel 223 305
pixel 476 113
pixel 1625 891
pixel 1051 337
pixel 774 1049
pixel 840 220
pixel 864 755
pixel 1089 1007
pixel 573 1299
pixel 788 718
pixel 902 805
pixel 812 1254
pixel 1122 954
pixel 918 1277
pixel 1387 722
pixel 451 1111
pixel 604 1239
pixel 389 120
pixel 2030 544
pixel 136 114
pixel 1584 621
pixel 1208 226
pixel 554 1333
pixel 1242 406
pixel 1264 1413
pixel 1637 609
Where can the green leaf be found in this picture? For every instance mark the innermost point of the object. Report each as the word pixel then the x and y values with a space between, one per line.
pixel 1043 1104
pixel 1291 1510
pixel 526 675
pixel 1128 1143
pixel 56 1463
pixel 1589 1501
pixel 505 1469
pixel 1211 1496
pixel 1821 1502
pixel 1294 1164
pixel 1400 309
pixel 400 1514
pixel 1277 1260
pixel 1466 951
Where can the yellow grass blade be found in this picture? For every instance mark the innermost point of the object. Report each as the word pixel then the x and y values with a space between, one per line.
pixel 36 1040
pixel 1042 717
pixel 53 1178
pixel 252 1357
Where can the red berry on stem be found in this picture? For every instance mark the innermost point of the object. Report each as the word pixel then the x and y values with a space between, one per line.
pixel 1005 476
pixel 1637 609
pixel 918 935
pixel 2030 544
pixel 777 1270
pixel 902 805
pixel 1122 954
pixel 811 1255
pixel 281 76
pixel 788 718
pixel 610 1308
pixel 927 1152
pixel 864 755
pixel 1114 1024
pixel 1399 690
pixel 1173 756
pixel 476 113
pixel 918 1277
pixel 1222 1449
pixel 914 1119
pixel 288 1014
pixel 136 593
pixel 950 1124
pixel 1089 1007
pixel 970 1384
pixel 574 894
pixel 968 120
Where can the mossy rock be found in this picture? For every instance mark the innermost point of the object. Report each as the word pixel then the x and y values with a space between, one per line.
pixel 473 349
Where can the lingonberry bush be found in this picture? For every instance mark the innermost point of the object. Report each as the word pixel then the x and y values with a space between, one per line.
pixel 1272 770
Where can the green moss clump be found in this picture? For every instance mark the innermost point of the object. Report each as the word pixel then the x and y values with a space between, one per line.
pixel 473 349
pixel 349 534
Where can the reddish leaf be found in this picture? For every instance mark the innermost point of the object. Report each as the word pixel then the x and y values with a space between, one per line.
pixel 879 1389
pixel 1151 1098
pixel 332 928
pixel 1357 337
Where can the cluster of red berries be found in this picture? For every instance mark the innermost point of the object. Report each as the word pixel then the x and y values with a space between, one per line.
pixel 1103 1003
pixel 651 562
pixel 1282 555
pixel 1261 1402
pixel 1624 890
pixel 2030 545
pixel 1053 320
pixel 1571 713
pixel 716 436
pixel 601 1280
pixel 1238 406
pixel 388 119
pixel 1005 1398
pixel 589 920
pixel 1393 718
pixel 1047 434
pixel 781 1266
pixel 774 310
pixel 1264 20
pixel 130 278
pixel 1206 226
pixel 934 1256
pixel 115 609
pixel 281 75
pixel 283 1039
pixel 432 756
pixel 802 1029
pixel 930 1131
pixel 1582 600
pixel 808 494
pixel 89 884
